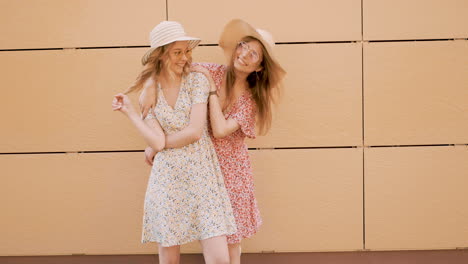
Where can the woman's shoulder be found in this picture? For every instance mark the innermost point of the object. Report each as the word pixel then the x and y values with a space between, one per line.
pixel 214 68
pixel 210 65
pixel 195 77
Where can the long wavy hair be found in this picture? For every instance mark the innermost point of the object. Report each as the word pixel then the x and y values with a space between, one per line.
pixel 265 86
pixel 157 61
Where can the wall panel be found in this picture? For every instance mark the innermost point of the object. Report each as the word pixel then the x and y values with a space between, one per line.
pixel 317 107
pixel 416 19
pixel 416 93
pixel 28 24
pixel 61 100
pixel 54 204
pixel 288 22
pixel 310 199
pixel 59 204
pixel 64 103
pixel 415 198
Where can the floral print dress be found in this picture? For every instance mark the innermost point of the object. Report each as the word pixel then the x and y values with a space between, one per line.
pixel 235 161
pixel 186 198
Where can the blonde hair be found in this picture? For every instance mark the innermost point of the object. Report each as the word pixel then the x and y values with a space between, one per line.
pixel 156 62
pixel 265 86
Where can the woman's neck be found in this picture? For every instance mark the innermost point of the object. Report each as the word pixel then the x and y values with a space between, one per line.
pixel 240 82
pixel 168 79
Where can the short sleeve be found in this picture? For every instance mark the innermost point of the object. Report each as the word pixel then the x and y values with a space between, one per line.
pixel 199 88
pixel 245 116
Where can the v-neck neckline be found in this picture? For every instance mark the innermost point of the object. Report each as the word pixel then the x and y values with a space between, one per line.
pixel 178 94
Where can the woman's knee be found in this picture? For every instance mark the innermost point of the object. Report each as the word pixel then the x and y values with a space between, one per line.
pixel 215 250
pixel 169 255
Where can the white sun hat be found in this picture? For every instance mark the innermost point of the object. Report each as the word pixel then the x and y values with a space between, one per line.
pixel 167 32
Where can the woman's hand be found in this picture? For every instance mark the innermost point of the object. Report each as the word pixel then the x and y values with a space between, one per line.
pixel 147 98
pixel 201 69
pixel 123 104
pixel 206 72
pixel 149 155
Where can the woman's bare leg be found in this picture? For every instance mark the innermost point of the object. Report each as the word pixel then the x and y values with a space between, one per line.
pixel 169 255
pixel 235 253
pixel 215 250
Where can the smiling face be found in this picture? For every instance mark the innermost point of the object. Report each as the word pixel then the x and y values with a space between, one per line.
pixel 178 57
pixel 248 56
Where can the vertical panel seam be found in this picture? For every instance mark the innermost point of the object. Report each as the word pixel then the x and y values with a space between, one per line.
pixel 167 10
pixel 363 131
pixel 362 19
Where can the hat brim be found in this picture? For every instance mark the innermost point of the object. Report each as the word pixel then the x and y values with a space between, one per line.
pixel 235 31
pixel 193 43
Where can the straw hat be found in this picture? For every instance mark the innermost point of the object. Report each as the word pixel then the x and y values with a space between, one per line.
pixel 236 30
pixel 167 32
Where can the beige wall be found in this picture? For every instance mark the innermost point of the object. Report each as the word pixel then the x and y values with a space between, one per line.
pixel 360 155
pixel 416 197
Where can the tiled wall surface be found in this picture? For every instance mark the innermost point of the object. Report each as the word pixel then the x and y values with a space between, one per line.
pixel 368 150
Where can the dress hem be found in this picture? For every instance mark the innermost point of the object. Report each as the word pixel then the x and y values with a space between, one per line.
pixel 187 240
pixel 245 235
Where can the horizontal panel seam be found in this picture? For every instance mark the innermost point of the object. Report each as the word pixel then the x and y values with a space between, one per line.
pixel 266 148
pixel 214 45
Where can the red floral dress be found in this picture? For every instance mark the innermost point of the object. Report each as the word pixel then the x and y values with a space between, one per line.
pixel 235 161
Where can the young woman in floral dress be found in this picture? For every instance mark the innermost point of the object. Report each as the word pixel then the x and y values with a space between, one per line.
pixel 186 199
